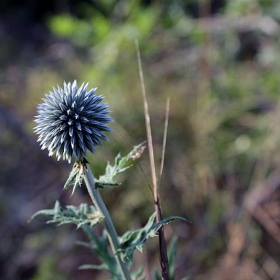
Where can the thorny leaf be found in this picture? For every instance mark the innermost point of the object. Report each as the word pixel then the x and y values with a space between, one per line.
pixel 76 175
pixel 81 215
pixel 121 164
pixel 133 240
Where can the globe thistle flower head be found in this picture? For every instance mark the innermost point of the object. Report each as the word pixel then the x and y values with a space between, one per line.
pixel 71 121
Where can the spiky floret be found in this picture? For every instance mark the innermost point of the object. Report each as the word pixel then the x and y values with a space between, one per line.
pixel 71 121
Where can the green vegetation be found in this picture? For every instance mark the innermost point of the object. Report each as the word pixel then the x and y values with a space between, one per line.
pixel 222 154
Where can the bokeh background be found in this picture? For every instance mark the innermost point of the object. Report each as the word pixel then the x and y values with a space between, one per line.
pixel 217 61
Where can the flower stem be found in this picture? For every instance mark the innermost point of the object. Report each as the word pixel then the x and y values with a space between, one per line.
pixel 109 226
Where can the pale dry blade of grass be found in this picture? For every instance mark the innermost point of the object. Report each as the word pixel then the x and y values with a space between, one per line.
pixel 148 123
pixel 164 139
pixel 162 243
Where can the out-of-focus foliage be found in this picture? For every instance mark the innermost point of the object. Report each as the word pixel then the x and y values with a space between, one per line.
pixel 48 271
pixel 220 67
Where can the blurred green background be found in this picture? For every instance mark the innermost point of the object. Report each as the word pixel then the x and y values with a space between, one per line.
pixel 217 61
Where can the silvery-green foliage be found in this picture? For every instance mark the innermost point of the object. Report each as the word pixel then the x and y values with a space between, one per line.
pixel 121 165
pixel 99 245
pixel 78 215
pixel 71 121
pixel 136 239
pixel 76 175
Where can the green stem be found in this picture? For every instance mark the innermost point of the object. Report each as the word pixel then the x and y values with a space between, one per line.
pixel 109 226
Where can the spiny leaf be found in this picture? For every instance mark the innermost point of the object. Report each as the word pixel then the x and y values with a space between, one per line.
pixel 94 266
pixel 133 240
pixel 121 164
pixel 81 215
pixel 99 245
pixel 137 273
pixel 103 266
pixel 76 175
pixel 171 252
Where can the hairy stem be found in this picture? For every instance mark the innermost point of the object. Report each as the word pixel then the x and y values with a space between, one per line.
pixel 109 226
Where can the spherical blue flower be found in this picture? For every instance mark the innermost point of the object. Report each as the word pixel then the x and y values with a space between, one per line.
pixel 71 121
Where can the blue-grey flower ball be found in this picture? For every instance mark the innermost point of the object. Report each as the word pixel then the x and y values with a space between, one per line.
pixel 71 121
